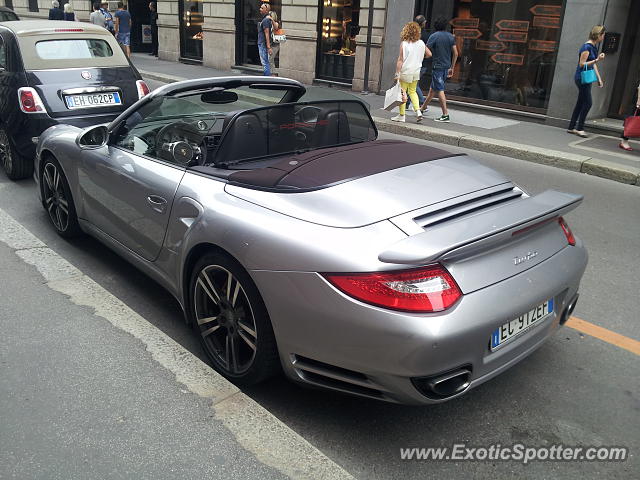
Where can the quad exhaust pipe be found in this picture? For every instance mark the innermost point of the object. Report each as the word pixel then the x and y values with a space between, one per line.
pixel 569 310
pixel 444 385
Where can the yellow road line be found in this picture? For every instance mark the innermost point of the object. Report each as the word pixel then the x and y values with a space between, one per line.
pixel 605 335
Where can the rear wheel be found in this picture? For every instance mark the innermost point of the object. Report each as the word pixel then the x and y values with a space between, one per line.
pixel 57 200
pixel 232 320
pixel 15 165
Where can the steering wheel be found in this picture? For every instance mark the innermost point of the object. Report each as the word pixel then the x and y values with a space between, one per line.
pixel 172 133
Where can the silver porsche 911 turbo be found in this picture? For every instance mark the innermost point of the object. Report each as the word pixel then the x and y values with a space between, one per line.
pixel 295 240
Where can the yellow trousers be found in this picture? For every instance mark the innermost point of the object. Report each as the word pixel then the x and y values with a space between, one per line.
pixel 410 88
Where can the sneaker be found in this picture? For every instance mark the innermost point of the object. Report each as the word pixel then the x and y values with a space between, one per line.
pixel 581 133
pixel 419 115
pixel 442 118
pixel 572 131
pixel 398 118
pixel 424 110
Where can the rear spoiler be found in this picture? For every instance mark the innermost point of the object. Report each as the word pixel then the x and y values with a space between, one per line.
pixel 475 233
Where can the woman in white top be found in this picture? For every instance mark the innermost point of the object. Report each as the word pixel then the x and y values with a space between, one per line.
pixel 412 52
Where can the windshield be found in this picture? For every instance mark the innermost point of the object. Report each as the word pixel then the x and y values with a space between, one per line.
pixel 7 16
pixel 294 128
pixel 73 49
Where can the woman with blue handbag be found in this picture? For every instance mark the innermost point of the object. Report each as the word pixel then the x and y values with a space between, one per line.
pixel 586 74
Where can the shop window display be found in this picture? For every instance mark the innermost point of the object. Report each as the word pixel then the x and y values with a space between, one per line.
pixel 191 20
pixel 507 49
pixel 338 26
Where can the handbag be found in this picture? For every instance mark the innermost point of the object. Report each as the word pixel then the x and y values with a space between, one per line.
pixel 588 76
pixel 632 125
pixel 278 36
pixel 394 97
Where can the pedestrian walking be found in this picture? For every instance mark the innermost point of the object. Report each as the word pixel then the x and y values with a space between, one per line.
pixel 421 20
pixel 586 73
pixel 153 22
pixel 69 14
pixel 445 55
pixel 96 17
pixel 264 38
pixel 275 46
pixel 123 28
pixel 624 144
pixel 412 52
pixel 55 12
pixel 108 17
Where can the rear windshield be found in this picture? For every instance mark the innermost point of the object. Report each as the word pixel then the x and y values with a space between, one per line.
pixel 73 49
pixel 8 16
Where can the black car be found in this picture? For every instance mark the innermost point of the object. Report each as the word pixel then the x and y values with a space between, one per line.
pixel 54 72
pixel 7 15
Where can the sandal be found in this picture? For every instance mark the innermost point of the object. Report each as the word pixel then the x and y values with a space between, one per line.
pixel 628 149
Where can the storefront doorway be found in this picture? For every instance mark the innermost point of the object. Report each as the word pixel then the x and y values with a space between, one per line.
pixel 338 25
pixel 507 49
pixel 140 16
pixel 628 72
pixel 191 20
pixel 247 19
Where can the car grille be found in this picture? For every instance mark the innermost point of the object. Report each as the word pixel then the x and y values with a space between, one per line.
pixel 419 220
pixel 336 378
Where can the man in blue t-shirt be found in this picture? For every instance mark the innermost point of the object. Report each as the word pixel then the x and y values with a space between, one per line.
pixel 123 28
pixel 445 53
pixel 264 38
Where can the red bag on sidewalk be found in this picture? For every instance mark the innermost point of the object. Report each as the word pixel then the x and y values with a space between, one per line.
pixel 632 125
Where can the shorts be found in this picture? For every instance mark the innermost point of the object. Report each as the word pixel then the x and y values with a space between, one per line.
pixel 124 38
pixel 438 77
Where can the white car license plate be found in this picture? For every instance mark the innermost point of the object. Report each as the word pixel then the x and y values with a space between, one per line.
pixel 511 329
pixel 93 100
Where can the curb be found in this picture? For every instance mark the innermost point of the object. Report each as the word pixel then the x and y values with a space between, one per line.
pixel 555 158
pixel 529 153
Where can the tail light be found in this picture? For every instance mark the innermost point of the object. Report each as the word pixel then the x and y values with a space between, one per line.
pixel 427 289
pixel 143 89
pixel 30 101
pixel 567 231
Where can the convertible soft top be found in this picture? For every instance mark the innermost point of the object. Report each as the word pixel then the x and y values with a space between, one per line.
pixel 330 166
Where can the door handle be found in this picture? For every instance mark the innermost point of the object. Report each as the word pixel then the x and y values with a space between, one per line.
pixel 157 204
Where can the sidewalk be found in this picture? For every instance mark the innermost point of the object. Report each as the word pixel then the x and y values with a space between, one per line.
pixel 488 132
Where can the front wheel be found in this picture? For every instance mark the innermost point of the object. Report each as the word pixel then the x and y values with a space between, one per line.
pixel 57 200
pixel 15 165
pixel 232 320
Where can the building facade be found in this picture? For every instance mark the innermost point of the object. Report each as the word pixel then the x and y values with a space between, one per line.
pixel 518 55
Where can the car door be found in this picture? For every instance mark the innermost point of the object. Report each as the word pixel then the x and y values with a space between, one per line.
pixel 128 193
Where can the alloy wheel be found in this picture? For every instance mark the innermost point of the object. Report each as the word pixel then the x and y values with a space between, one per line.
pixel 55 201
pixel 5 151
pixel 225 319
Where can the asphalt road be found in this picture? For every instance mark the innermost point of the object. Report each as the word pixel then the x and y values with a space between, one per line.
pixel 575 390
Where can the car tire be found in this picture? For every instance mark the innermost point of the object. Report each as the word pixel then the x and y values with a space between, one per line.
pixel 15 165
pixel 231 320
pixel 57 199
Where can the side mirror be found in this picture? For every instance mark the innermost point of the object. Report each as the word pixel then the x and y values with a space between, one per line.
pixel 94 137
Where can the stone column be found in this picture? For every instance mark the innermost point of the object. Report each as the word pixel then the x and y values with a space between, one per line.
pixel 168 30
pixel 375 61
pixel 219 34
pixel 298 53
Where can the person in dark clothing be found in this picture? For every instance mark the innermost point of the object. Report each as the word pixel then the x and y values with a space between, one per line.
pixel 264 38
pixel 587 59
pixel 624 144
pixel 445 54
pixel 56 13
pixel 154 28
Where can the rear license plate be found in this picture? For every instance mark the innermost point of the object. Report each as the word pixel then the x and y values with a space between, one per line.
pixel 93 100
pixel 515 327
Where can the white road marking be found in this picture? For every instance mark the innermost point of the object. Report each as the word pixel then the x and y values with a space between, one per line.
pixel 255 429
